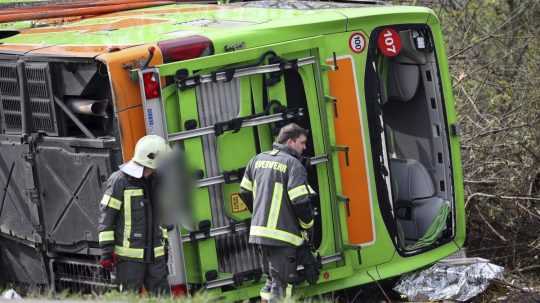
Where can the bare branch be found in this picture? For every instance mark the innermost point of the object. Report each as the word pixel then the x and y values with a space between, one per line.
pixel 489 225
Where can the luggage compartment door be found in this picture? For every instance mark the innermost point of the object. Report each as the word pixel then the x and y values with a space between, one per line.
pixel 223 110
pixel 19 212
pixel 72 174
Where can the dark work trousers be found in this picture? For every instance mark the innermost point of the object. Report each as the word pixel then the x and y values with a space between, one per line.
pixel 279 264
pixel 133 275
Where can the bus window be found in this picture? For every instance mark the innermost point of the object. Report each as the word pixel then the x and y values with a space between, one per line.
pixel 414 172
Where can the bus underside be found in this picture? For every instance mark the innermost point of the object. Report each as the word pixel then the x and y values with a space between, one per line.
pixel 58 145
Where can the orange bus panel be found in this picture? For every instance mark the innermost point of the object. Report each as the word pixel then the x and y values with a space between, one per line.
pixel 127 94
pixel 349 133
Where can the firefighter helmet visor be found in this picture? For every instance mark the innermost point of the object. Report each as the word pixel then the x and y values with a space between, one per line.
pixel 132 169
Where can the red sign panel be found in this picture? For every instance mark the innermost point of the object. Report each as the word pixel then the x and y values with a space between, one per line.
pixel 389 42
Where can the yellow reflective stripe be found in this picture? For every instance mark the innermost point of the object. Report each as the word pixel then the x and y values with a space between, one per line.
pixel 298 192
pixel 254 189
pixel 106 236
pixel 134 192
pixel 311 190
pixel 128 194
pixel 276 234
pixel 246 184
pixel 127 219
pixel 273 215
pixel 159 251
pixel 306 225
pixel 288 291
pixel 111 202
pixel 115 203
pixel 137 253
pixel 164 233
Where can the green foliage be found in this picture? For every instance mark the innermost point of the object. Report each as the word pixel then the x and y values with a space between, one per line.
pixel 494 54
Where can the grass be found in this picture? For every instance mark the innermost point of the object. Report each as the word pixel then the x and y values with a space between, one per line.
pixel 197 298
pixel 116 296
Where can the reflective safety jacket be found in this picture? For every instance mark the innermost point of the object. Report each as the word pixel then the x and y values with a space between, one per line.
pixel 278 183
pixel 128 222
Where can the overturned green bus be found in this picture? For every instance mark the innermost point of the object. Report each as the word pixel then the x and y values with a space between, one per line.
pixel 370 81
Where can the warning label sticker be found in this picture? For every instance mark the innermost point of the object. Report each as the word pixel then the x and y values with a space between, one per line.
pixel 237 204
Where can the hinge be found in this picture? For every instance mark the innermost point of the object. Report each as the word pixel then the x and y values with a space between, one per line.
pixel 455 129
pixel 29 157
pixel 233 176
pixel 345 200
pixel 345 149
pixel 342 198
pixel 327 67
pixel 332 100
pixel 33 194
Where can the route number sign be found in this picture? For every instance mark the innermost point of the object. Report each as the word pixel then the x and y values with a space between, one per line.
pixel 389 42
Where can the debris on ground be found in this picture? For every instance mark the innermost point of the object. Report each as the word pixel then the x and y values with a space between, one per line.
pixel 10 294
pixel 451 279
pixel 521 297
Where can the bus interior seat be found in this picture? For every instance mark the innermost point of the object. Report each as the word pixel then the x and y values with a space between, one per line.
pixel 416 205
pixel 403 76
pixel 402 85
pixel 415 202
pixel 403 81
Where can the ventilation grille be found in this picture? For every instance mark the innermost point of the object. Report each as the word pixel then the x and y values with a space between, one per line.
pixel 38 81
pixel 10 99
pixel 80 276
pixel 41 109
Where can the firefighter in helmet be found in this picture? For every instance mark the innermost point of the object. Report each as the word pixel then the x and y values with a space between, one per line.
pixel 130 236
pixel 276 182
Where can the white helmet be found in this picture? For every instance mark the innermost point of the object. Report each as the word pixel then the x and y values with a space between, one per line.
pixel 149 150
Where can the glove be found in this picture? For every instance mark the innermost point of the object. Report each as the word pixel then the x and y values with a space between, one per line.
pixel 108 261
pixel 311 262
pixel 312 270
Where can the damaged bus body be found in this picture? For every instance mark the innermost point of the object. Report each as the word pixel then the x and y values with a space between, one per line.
pixel 371 83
